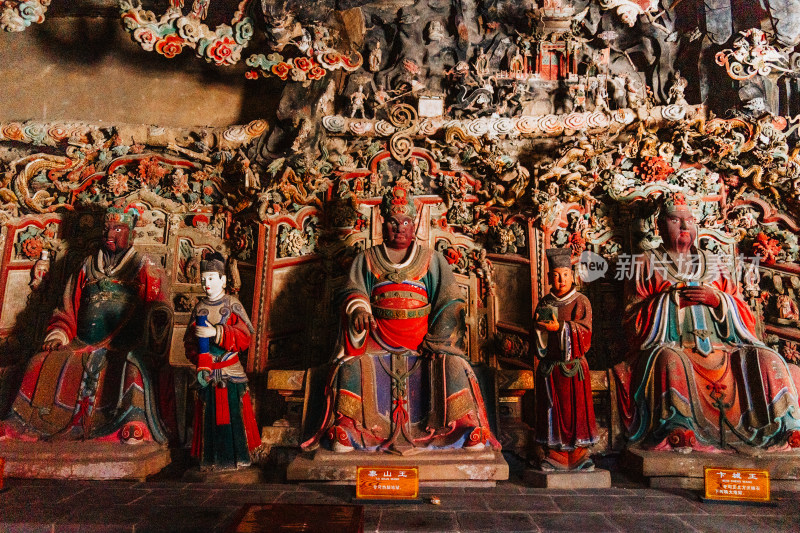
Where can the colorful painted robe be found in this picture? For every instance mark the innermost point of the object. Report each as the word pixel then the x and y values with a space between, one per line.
pixel 690 362
pixel 564 408
pixel 99 383
pixel 225 429
pixel 406 383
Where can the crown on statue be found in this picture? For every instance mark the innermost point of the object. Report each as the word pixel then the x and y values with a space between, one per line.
pixel 398 201
pixel 127 215
pixel 674 201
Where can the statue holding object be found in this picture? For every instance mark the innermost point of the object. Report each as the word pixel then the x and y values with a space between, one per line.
pixel 225 429
pixel 565 422
pixel 400 380
pixel 698 376
pixel 95 377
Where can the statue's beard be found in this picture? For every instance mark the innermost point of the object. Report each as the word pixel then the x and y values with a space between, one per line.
pixel 112 259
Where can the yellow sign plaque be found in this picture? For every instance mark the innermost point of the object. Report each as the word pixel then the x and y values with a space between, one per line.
pixel 737 484
pixel 382 483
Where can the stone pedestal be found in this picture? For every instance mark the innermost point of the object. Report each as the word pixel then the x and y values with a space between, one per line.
pixel 434 466
pixel 672 469
pixel 243 476
pixel 83 460
pixel 578 479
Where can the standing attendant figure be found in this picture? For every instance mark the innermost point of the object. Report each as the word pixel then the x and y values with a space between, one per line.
pixel 565 423
pixel 225 430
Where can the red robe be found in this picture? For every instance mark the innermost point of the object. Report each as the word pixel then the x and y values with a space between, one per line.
pixel 564 407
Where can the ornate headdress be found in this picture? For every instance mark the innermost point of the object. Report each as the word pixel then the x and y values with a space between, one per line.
pixel 127 215
pixel 559 258
pixel 213 262
pixel 398 201
pixel 675 201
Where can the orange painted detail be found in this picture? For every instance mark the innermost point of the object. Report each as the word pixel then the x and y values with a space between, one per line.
pixel 737 484
pixel 381 483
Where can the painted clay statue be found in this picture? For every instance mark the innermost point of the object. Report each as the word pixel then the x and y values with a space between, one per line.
pixel 225 429
pixel 400 380
pixel 699 376
pixel 95 375
pixel 565 423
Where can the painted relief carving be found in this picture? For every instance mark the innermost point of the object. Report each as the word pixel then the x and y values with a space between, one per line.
pixel 16 15
pixel 518 127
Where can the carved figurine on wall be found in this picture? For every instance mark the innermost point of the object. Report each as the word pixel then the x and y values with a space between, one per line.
pixel 401 381
pixel 225 429
pixel 699 377
pixel 565 422
pixel 95 376
pixel 787 308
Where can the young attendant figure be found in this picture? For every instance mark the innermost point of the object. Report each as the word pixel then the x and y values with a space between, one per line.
pixel 225 430
pixel 565 423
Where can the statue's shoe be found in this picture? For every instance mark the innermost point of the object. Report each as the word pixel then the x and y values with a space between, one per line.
pixel 340 440
pixel 794 439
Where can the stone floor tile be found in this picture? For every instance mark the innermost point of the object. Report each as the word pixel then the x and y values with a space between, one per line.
pixel 459 502
pixel 185 496
pixel 33 512
pixel 311 498
pixel 113 515
pixel 241 497
pixel 372 519
pixel 574 523
pixel 393 521
pixel 99 496
pixel 787 522
pixel 722 523
pixel 50 494
pixel 611 491
pixel 666 505
pixel 651 523
pixel 592 504
pixel 23 527
pixel 528 503
pixel 94 528
pixel 505 522
pixel 433 490
pixel 770 509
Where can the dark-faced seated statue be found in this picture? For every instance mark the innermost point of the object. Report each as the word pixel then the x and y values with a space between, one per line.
pixel 94 378
pixel 400 380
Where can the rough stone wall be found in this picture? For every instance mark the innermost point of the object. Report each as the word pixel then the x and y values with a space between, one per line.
pixel 88 69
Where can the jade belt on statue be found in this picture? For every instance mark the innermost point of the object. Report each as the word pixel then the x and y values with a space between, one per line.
pixel 385 312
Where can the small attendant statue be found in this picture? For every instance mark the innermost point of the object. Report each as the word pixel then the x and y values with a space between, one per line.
pixel 565 423
pixel 225 430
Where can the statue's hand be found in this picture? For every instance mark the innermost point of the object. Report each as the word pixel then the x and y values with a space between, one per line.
pixel 552 325
pixel 699 296
pixel 205 331
pixel 363 320
pixel 52 344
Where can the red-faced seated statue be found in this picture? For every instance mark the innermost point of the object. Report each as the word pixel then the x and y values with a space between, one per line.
pixel 401 380
pixel 94 378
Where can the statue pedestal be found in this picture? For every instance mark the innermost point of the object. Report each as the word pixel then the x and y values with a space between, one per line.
pixel 434 465
pixel 672 469
pixel 250 475
pixel 83 459
pixel 577 479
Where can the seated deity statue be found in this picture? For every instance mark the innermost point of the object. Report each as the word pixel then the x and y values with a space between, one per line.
pixel 400 380
pixel 565 421
pixel 699 377
pixel 225 429
pixel 94 378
